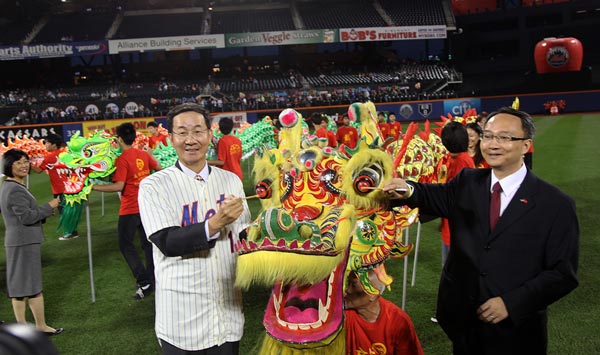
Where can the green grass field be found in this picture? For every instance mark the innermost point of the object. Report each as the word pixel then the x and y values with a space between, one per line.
pixel 116 324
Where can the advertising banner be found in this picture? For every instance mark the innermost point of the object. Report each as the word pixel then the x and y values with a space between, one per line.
pixel 459 106
pixel 364 34
pixel 238 118
pixel 52 50
pixel 68 130
pixel 166 43
pixel 34 131
pixel 279 38
pixel 414 111
pixel 110 126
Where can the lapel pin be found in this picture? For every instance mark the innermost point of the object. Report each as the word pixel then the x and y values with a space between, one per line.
pixel 524 201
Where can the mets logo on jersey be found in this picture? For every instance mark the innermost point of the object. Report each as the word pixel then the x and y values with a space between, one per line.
pixel 139 163
pixel 425 109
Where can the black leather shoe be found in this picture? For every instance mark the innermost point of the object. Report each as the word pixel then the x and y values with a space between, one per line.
pixel 56 332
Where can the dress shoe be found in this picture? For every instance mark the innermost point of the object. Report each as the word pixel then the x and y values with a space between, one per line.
pixel 56 332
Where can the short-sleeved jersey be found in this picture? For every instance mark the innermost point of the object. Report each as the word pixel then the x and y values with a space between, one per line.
pixel 229 151
pixel 384 128
pixel 131 168
pixel 395 130
pixel 324 133
pixel 348 136
pixel 154 140
pixel 392 333
pixel 48 165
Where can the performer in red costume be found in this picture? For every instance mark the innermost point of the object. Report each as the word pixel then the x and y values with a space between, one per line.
pixel 375 325
pixel 229 148
pixel 346 134
pixel 55 145
pixel 155 136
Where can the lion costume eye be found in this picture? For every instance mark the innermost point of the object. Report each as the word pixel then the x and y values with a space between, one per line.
pixel 263 189
pixel 366 179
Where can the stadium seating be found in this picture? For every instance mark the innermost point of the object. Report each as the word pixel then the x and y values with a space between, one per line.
pixel 339 15
pixel 414 13
pixel 163 25
pixel 80 26
pixel 252 21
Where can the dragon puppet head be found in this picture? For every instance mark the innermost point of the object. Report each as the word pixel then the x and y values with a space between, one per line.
pixel 85 159
pixel 323 216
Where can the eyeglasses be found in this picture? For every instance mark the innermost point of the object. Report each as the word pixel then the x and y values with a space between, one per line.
pixel 503 138
pixel 194 134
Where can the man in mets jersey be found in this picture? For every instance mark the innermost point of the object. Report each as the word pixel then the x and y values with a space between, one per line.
pixel 193 215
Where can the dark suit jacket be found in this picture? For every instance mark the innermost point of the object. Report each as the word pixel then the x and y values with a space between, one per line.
pixel 530 259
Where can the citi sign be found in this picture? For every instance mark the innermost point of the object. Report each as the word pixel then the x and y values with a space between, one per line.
pixel 459 107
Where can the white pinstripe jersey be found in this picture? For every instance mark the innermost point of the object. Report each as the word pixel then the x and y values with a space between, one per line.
pixel 197 306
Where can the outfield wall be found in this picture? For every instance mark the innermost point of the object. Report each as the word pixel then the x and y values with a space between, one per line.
pixel 535 104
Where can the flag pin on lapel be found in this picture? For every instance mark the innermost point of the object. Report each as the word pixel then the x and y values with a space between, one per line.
pixel 524 201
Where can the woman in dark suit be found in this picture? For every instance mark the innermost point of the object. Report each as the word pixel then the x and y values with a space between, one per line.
pixel 23 220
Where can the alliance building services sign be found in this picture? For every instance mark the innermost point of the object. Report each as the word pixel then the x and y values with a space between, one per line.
pixel 166 43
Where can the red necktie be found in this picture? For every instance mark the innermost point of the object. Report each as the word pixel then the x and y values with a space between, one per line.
pixel 495 205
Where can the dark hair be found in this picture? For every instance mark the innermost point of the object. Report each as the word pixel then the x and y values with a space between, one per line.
pixel 225 125
pixel 478 158
pixel 317 118
pixel 127 132
pixel 187 107
pixel 152 124
pixel 526 121
pixel 455 137
pixel 55 139
pixel 9 158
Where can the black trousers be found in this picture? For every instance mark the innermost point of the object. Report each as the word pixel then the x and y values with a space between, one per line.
pixel 127 228
pixel 225 349
pixel 529 337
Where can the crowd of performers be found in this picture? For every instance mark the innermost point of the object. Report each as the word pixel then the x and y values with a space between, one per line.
pixel 335 198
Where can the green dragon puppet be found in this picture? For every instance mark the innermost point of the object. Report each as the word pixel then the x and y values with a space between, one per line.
pixel 323 216
pixel 85 160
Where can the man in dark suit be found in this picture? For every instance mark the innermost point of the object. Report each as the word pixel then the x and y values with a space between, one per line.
pixel 500 276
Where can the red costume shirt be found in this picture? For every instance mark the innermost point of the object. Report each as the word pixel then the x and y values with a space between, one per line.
pixel 395 130
pixel 154 140
pixel 384 128
pixel 132 166
pixel 348 136
pixel 324 133
pixel 48 165
pixel 229 151
pixel 455 165
pixel 392 334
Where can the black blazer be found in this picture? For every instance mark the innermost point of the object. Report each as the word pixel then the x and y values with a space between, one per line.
pixel 530 259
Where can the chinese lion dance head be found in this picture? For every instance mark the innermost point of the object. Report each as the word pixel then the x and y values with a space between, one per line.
pixel 323 216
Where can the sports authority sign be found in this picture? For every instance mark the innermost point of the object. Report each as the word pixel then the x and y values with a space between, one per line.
pixel 52 50
pixel 391 33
